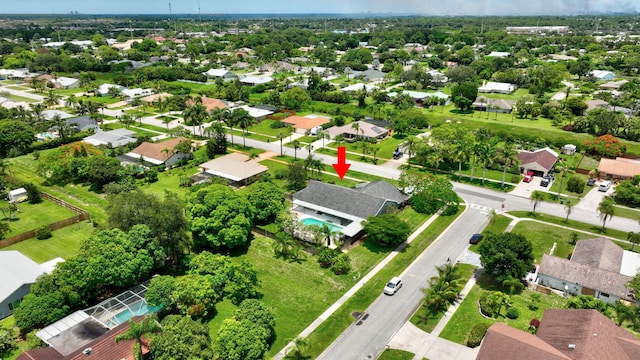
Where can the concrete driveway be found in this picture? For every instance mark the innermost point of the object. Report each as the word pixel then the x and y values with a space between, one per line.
pixel 593 198
pixel 524 189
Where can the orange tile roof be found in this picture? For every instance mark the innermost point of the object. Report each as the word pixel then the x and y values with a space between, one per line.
pixel 154 150
pixel 305 123
pixel 619 167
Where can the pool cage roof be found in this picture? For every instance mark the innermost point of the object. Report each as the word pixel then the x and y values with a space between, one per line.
pixel 107 311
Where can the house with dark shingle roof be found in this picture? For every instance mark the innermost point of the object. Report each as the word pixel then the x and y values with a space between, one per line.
pixel 346 207
pixel 484 103
pixel 366 130
pixel 564 334
pixel 597 267
pixel 541 161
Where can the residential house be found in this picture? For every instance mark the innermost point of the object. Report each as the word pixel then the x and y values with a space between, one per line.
pixel 618 168
pixel 256 80
pixel 162 153
pixel 368 75
pixel 103 90
pixel 130 94
pixel 564 334
pixel 438 79
pixel 305 124
pixel 50 114
pixel 237 168
pixel 153 99
pixel 562 57
pixel 17 272
pixel 420 97
pixel 499 54
pixel 540 162
pixel 223 74
pixel 91 340
pixel 358 87
pixel 343 207
pixel 613 85
pixel 596 103
pixel 365 131
pixel 113 138
pixel 82 123
pixel 14 74
pixel 497 87
pixel 257 112
pixel 483 103
pixel 63 82
pixel 598 267
pixel 602 75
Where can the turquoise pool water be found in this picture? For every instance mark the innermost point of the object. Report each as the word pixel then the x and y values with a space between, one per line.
pixel 138 309
pixel 312 221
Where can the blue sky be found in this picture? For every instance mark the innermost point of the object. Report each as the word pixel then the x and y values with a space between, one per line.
pixel 429 7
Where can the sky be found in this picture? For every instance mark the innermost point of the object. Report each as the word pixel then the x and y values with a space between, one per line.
pixel 423 7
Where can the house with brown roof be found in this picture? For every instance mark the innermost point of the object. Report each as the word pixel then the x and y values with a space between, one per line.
pixel 597 267
pixel 483 103
pixel 540 162
pixel 564 334
pixel 237 168
pixel 103 347
pixel 161 153
pixel 304 124
pixel 618 168
pixel 613 85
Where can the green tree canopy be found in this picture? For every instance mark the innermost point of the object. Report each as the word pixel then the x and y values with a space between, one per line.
pixel 181 338
pixel 220 217
pixel 15 134
pixel 386 229
pixel 506 255
pixel 267 199
pixel 463 95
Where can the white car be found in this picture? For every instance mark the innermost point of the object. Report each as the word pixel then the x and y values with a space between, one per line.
pixel 393 286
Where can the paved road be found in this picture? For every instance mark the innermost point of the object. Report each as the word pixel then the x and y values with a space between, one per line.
pixel 388 313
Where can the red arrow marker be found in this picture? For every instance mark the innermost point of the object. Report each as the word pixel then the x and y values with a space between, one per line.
pixel 342 167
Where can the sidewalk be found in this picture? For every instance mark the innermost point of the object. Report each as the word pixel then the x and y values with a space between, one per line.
pixel 335 306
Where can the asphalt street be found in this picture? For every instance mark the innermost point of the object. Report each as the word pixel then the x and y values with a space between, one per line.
pixel 388 313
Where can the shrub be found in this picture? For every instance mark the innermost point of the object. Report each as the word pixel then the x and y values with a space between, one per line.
pixel 515 179
pixel 341 264
pixel 327 257
pixel 280 174
pixel 277 125
pixel 43 232
pixel 152 175
pixel 575 184
pixel 513 313
pixel 475 335
pixel 33 194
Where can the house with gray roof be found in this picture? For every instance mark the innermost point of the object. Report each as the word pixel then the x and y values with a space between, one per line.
pixel 346 208
pixel 365 131
pixel 115 138
pixel 17 273
pixel 597 267
pixel 82 123
pixel 236 168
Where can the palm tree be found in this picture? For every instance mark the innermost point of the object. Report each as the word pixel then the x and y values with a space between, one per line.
pixel 409 144
pixel 5 167
pixel 536 198
pixel 280 137
pixel 356 127
pixel 493 217
pixel 632 237
pixel 623 312
pixel 508 156
pixel 296 146
pixel 244 120
pixel 230 121
pixel 568 208
pixel 473 154
pixel 295 352
pixel 71 101
pixel 606 210
pixel 195 114
pixel 136 331
pixel 512 284
pixel 563 173
pixel 339 139
pixel 487 153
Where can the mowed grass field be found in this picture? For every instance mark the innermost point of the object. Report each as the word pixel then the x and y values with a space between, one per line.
pixel 32 216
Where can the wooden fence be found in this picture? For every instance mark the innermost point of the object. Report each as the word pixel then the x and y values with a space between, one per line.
pixel 82 215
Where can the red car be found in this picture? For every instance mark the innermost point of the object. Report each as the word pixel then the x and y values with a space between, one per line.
pixel 528 177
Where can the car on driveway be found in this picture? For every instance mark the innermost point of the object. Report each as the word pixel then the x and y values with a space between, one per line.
pixel 591 182
pixel 475 238
pixel 544 182
pixel 393 286
pixel 528 177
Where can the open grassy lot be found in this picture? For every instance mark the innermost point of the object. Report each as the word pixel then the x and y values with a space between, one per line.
pixel 64 243
pixel 543 236
pixel 341 319
pixel 354 156
pixel 394 354
pixel 628 213
pixel 276 167
pixel 32 216
pixel 412 217
pixel 572 224
pixel 468 313
pixel 100 99
pixel 264 127
pixel 418 319
pixel 386 147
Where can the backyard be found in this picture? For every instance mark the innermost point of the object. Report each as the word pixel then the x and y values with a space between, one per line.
pixel 32 216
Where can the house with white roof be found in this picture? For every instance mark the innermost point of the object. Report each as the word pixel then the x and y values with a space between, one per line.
pixel 115 138
pixel 103 90
pixel 17 273
pixel 236 168
pixel 223 74
pixel 256 80
pixel 130 94
pixel 500 54
pixel 603 75
pixel 356 87
pixel 497 87
pixel 66 83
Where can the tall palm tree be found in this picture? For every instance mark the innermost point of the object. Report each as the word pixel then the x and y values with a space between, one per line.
pixel 71 101
pixel 563 173
pixel 230 121
pixel 356 127
pixel 633 238
pixel 296 146
pixel 474 154
pixel 281 137
pixel 606 210
pixel 195 114
pixel 409 144
pixel 493 217
pixel 487 153
pixel 568 208
pixel 508 156
pixel 295 352
pixel 136 331
pixel 536 198
pixel 512 284
pixel 244 120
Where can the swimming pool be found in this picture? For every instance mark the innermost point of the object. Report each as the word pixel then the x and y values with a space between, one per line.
pixel 314 221
pixel 138 309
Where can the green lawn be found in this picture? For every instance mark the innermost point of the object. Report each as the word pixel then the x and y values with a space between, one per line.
pixel 100 99
pixel 329 330
pixel 351 156
pixel 32 216
pixel 264 127
pixel 64 243
pixel 278 167
pixel 466 271
pixel 543 236
pixel 394 354
pixel 412 217
pixel 626 212
pixel 468 313
pixel 572 224
pixel 386 147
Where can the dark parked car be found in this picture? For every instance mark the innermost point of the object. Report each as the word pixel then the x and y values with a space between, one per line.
pixel 591 182
pixel 475 238
pixel 545 181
